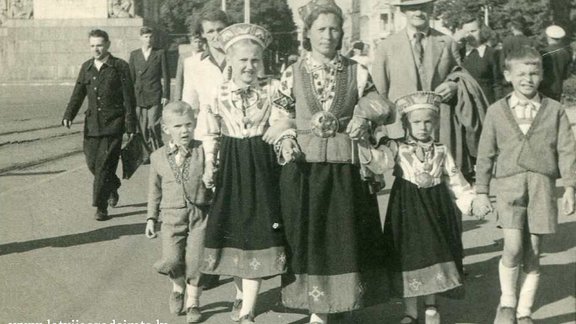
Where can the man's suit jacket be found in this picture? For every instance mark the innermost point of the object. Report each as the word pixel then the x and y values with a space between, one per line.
pixel 394 69
pixel 148 75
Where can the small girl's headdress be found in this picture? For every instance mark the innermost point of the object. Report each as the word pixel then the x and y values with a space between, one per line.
pixel 419 100
pixel 238 32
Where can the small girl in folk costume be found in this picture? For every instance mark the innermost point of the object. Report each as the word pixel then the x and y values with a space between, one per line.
pixel 243 235
pixel 422 229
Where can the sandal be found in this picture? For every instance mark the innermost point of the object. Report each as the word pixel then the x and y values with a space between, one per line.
pixel 433 318
pixel 407 319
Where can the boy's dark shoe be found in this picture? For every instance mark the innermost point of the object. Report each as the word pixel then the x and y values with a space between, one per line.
pixel 113 199
pixel 176 302
pixel 101 214
pixel 505 315
pixel 525 320
pixel 193 315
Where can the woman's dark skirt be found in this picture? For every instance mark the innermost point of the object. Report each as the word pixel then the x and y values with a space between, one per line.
pixel 334 236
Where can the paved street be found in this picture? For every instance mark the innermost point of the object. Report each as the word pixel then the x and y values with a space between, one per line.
pixel 58 264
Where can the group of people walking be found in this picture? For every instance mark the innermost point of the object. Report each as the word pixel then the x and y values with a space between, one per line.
pixel 265 177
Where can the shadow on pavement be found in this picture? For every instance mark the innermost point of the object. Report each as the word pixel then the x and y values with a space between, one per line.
pixel 212 309
pixel 19 174
pixel 483 290
pixel 99 235
pixel 562 240
pixel 137 212
pixel 561 319
pixel 143 204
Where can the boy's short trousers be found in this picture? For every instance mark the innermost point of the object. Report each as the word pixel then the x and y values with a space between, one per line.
pixel 527 199
pixel 182 235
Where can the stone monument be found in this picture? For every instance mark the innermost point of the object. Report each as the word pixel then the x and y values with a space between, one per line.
pixel 47 40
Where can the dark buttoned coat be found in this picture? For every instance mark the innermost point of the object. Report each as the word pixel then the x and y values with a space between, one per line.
pixel 111 104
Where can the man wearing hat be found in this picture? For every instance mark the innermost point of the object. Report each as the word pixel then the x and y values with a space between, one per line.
pixel 556 59
pixel 414 59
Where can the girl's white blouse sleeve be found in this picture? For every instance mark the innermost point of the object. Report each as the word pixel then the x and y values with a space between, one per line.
pixel 460 189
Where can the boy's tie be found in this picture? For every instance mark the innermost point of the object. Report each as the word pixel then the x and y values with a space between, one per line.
pixel 526 110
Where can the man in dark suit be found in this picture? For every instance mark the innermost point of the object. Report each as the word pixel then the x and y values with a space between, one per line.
pixel 149 67
pixel 556 60
pixel 106 81
pixel 481 60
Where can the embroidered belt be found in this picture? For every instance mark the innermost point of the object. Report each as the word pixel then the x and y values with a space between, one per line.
pixel 325 124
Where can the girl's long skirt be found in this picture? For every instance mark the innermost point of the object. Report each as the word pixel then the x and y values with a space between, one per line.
pixel 334 236
pixel 423 241
pixel 244 236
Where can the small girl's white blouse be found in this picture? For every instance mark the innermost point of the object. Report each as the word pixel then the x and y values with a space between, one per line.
pixel 443 169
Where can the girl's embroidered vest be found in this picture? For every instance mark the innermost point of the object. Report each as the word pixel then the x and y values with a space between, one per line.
pixel 338 148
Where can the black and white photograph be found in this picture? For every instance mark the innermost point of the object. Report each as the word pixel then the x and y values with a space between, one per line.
pixel 287 161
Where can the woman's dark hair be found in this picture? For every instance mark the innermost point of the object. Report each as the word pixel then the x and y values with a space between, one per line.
pixel 312 18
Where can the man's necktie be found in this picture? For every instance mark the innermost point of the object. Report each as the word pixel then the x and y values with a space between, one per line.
pixel 418 48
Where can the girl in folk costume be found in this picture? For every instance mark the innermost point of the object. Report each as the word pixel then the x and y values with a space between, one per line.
pixel 331 220
pixel 422 228
pixel 243 236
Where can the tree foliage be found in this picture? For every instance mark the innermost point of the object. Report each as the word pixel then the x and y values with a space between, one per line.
pixel 181 17
pixel 174 14
pixel 274 15
pixel 538 13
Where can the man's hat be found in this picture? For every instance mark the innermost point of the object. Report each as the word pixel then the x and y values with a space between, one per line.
pixel 419 100
pixel 314 5
pixel 411 2
pixel 555 31
pixel 237 32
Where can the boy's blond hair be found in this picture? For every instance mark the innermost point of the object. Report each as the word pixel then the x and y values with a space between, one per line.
pixel 524 55
pixel 177 108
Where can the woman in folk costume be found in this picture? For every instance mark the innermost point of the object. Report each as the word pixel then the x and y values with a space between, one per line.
pixel 331 220
pixel 243 234
pixel 422 229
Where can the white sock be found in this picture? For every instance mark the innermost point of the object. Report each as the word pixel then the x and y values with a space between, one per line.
pixel 527 294
pixel 250 289
pixel 508 284
pixel 193 295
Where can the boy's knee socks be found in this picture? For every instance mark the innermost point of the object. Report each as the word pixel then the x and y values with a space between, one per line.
pixel 508 284
pixel 193 295
pixel 528 294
